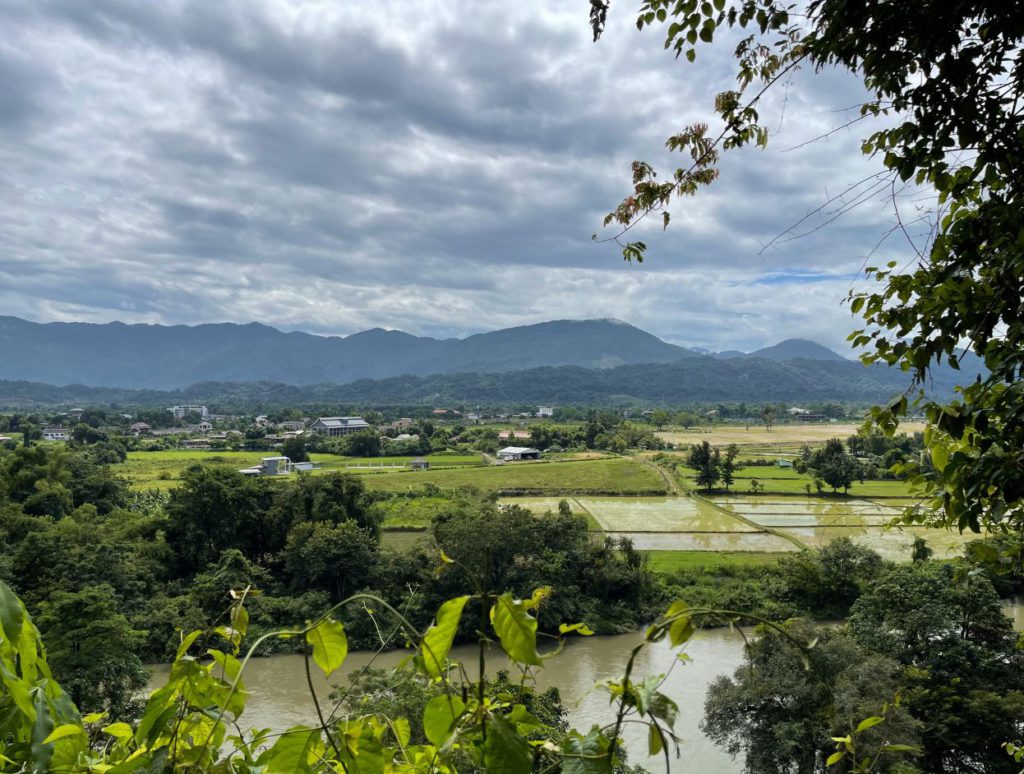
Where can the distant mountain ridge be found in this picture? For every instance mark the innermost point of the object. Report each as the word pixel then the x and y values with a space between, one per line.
pixel 158 357
pixel 699 379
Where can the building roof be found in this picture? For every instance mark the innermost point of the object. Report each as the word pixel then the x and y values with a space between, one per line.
pixel 343 422
pixel 518 450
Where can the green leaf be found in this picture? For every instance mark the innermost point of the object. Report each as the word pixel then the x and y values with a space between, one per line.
pixel 592 747
pixel 655 741
pixel 440 716
pixel 867 723
pixel 516 629
pixel 330 645
pixel 240 620
pixel 118 730
pixel 438 639
pixel 505 752
pixel 294 751
pixel 681 629
pixel 12 615
pixel 60 732
pixel 186 642
pixel 834 758
pixel 579 628
pixel 402 731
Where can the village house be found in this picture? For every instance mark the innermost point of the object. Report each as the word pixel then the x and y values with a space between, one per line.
pixel 545 411
pixel 419 464
pixel 56 434
pixel 205 427
pixel 334 426
pixel 399 424
pixel 291 425
pixel 140 428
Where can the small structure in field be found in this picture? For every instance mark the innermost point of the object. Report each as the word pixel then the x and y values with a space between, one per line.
pixel 419 464
pixel 784 463
pixel 518 453
pixel 276 466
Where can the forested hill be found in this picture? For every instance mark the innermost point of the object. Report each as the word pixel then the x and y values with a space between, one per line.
pixel 697 379
pixel 172 357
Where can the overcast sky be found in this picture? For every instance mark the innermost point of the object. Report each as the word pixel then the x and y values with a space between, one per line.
pixel 436 167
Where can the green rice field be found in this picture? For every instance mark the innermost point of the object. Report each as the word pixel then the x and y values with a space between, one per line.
pixel 606 476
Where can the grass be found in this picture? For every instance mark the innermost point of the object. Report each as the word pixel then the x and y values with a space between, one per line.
pixel 162 469
pixel 607 476
pixel 788 481
pixel 409 512
pixel 670 561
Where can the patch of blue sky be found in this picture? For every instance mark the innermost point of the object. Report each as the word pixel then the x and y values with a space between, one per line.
pixel 797 277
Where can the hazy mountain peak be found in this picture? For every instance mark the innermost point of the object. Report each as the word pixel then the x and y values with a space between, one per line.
pixel 793 349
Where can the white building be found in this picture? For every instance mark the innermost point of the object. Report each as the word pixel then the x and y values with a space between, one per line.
pixel 333 426
pixel 545 411
pixel 180 411
pixel 56 434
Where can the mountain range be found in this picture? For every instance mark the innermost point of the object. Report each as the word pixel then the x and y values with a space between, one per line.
pixel 159 357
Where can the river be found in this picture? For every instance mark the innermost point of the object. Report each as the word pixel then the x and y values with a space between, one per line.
pixel 279 697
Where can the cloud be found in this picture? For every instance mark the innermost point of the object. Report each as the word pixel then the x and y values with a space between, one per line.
pixel 435 167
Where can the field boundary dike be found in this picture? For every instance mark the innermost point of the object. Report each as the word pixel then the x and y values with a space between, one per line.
pixel 754 525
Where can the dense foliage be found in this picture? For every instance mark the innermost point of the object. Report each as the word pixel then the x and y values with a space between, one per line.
pixel 135 569
pixel 945 82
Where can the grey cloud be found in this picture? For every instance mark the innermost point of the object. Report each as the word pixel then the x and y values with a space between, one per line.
pixel 433 167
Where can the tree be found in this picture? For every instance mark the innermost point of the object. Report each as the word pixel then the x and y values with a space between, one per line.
pixel 337 558
pixel 365 443
pixel 834 466
pixel 963 671
pixel 729 465
pixel 948 78
pixel 707 463
pixel 92 649
pixel 659 418
pixel 768 415
pixel 294 448
pixel 781 713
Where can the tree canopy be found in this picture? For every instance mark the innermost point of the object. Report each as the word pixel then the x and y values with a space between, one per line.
pixel 946 80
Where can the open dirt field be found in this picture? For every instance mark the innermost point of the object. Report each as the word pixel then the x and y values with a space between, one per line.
pixel 756 435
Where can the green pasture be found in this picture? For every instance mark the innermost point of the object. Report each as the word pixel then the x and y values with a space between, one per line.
pixel 670 561
pixel 409 512
pixel 162 469
pixel 607 476
pixel 776 480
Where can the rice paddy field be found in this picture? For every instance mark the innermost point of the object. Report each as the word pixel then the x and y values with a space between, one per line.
pixel 815 522
pixel 695 531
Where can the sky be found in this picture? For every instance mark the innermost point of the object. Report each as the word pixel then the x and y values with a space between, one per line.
pixel 435 167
